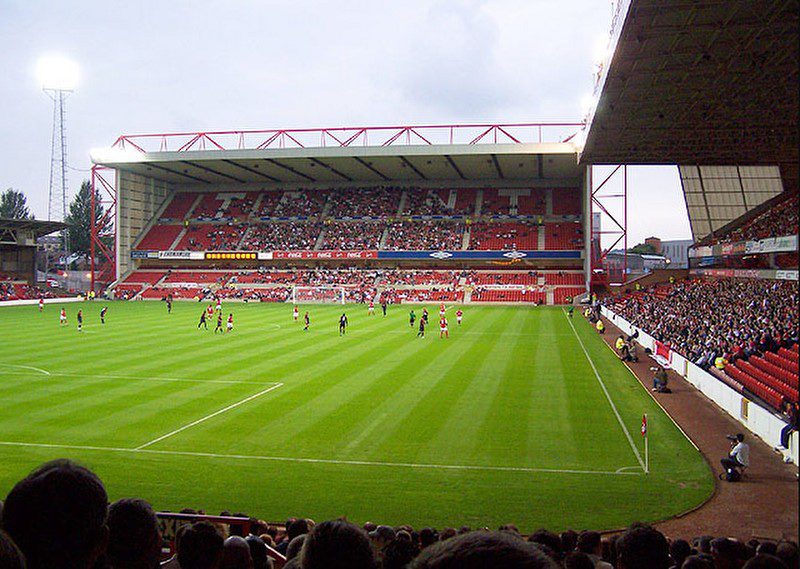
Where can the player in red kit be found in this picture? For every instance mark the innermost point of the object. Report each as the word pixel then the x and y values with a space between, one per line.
pixel 442 309
pixel 295 313
pixel 443 333
pixel 459 315
pixel 41 304
pixel 371 309
pixel 63 316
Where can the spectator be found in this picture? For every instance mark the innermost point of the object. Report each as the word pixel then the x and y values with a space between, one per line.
pixel 399 553
pixel 57 516
pixel 787 552
pixel 481 550
pixel 294 527
pixel 589 543
pixel 337 544
pixel 727 553
pixel 700 561
pixel 10 555
pixel 200 546
pixel 134 539
pixel 679 550
pixel 642 547
pixel 578 560
pixel 792 415
pixel 764 561
pixel 236 554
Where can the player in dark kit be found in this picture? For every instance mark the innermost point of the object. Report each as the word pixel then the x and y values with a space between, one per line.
pixel 307 322
pixel 203 322
pixel 425 315
pixel 342 324
pixel 169 304
pixel 411 318
pixel 383 307
pixel 570 310
pixel 219 324
pixel 421 333
pixel 103 314
pixel 80 320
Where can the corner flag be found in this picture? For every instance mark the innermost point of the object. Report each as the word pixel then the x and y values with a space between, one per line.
pixel 646 446
pixel 644 425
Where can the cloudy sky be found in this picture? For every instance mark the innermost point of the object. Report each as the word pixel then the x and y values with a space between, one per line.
pixel 152 66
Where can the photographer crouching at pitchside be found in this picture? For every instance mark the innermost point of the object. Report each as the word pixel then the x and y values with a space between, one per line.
pixel 738 458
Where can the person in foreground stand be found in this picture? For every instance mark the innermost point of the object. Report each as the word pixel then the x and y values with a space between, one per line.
pixel 57 516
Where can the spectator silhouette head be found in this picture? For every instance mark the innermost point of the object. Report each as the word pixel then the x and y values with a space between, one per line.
pixel 699 561
pixel 787 551
pixel 10 555
pixel 578 560
pixel 258 552
pixel 57 516
pixel 478 550
pixel 134 540
pixel 642 547
pixel 337 544
pixel 236 554
pixel 765 561
pixel 200 546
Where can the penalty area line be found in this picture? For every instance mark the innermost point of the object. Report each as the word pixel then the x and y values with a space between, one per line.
pixel 365 463
pixel 36 369
pixel 209 416
pixel 607 394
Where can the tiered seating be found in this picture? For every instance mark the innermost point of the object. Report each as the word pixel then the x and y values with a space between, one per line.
pixel 465 201
pixel 779 220
pixel 504 295
pixel 563 236
pixel 424 236
pixel 503 236
pixel 507 278
pixel 427 202
pixel 494 203
pixel 159 238
pixel 179 206
pixel 768 394
pixel 560 294
pixel 420 277
pixel 534 204
pixel 225 205
pixel 562 278
pixel 343 235
pixel 187 292
pixel 197 277
pixel 269 201
pixel 208 237
pixel 431 295
pixel 365 202
pixel 126 290
pixel 282 236
pixel 301 203
pixel 786 375
pixel 567 202
pixel 144 277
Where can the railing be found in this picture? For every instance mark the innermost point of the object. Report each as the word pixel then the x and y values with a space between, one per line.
pixel 515 133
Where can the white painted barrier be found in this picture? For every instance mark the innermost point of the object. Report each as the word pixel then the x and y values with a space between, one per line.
pixel 758 420
pixel 29 302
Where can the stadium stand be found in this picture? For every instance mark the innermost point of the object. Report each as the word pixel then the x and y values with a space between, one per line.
pixel 179 206
pixel 211 237
pixel 776 221
pixel 424 235
pixel 750 323
pixel 84 510
pixel 159 238
pixel 503 236
pixel 282 236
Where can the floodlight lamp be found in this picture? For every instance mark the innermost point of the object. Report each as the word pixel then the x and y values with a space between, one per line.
pixel 57 73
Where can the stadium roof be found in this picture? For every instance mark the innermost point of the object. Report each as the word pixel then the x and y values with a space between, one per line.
pixel 342 164
pixel 700 83
pixel 38 228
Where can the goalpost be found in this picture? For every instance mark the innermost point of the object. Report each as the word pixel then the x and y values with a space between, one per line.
pixel 318 295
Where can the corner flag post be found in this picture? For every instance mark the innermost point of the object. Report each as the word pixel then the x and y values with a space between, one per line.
pixel 646 445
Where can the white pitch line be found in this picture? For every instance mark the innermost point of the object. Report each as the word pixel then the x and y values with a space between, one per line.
pixel 368 463
pixel 79 375
pixel 36 369
pixel 210 416
pixel 608 396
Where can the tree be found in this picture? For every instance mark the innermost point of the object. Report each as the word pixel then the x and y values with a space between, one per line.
pixel 79 219
pixel 14 205
pixel 643 249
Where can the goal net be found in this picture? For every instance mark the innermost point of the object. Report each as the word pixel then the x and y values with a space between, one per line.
pixel 318 295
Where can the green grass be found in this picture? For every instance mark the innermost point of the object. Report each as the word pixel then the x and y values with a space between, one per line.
pixel 367 426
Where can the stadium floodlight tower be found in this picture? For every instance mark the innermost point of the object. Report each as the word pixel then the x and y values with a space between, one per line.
pixel 58 77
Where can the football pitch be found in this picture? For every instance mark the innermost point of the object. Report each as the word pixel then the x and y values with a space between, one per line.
pixel 522 416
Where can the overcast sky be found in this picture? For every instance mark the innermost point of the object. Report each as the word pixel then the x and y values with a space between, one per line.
pixel 152 66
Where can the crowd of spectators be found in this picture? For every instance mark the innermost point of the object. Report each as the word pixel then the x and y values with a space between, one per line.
pixel 348 236
pixel 778 221
pixel 704 319
pixel 424 236
pixel 208 237
pixel 503 236
pixel 20 291
pixel 427 202
pixel 300 203
pixel 282 237
pixel 365 202
pixel 59 516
